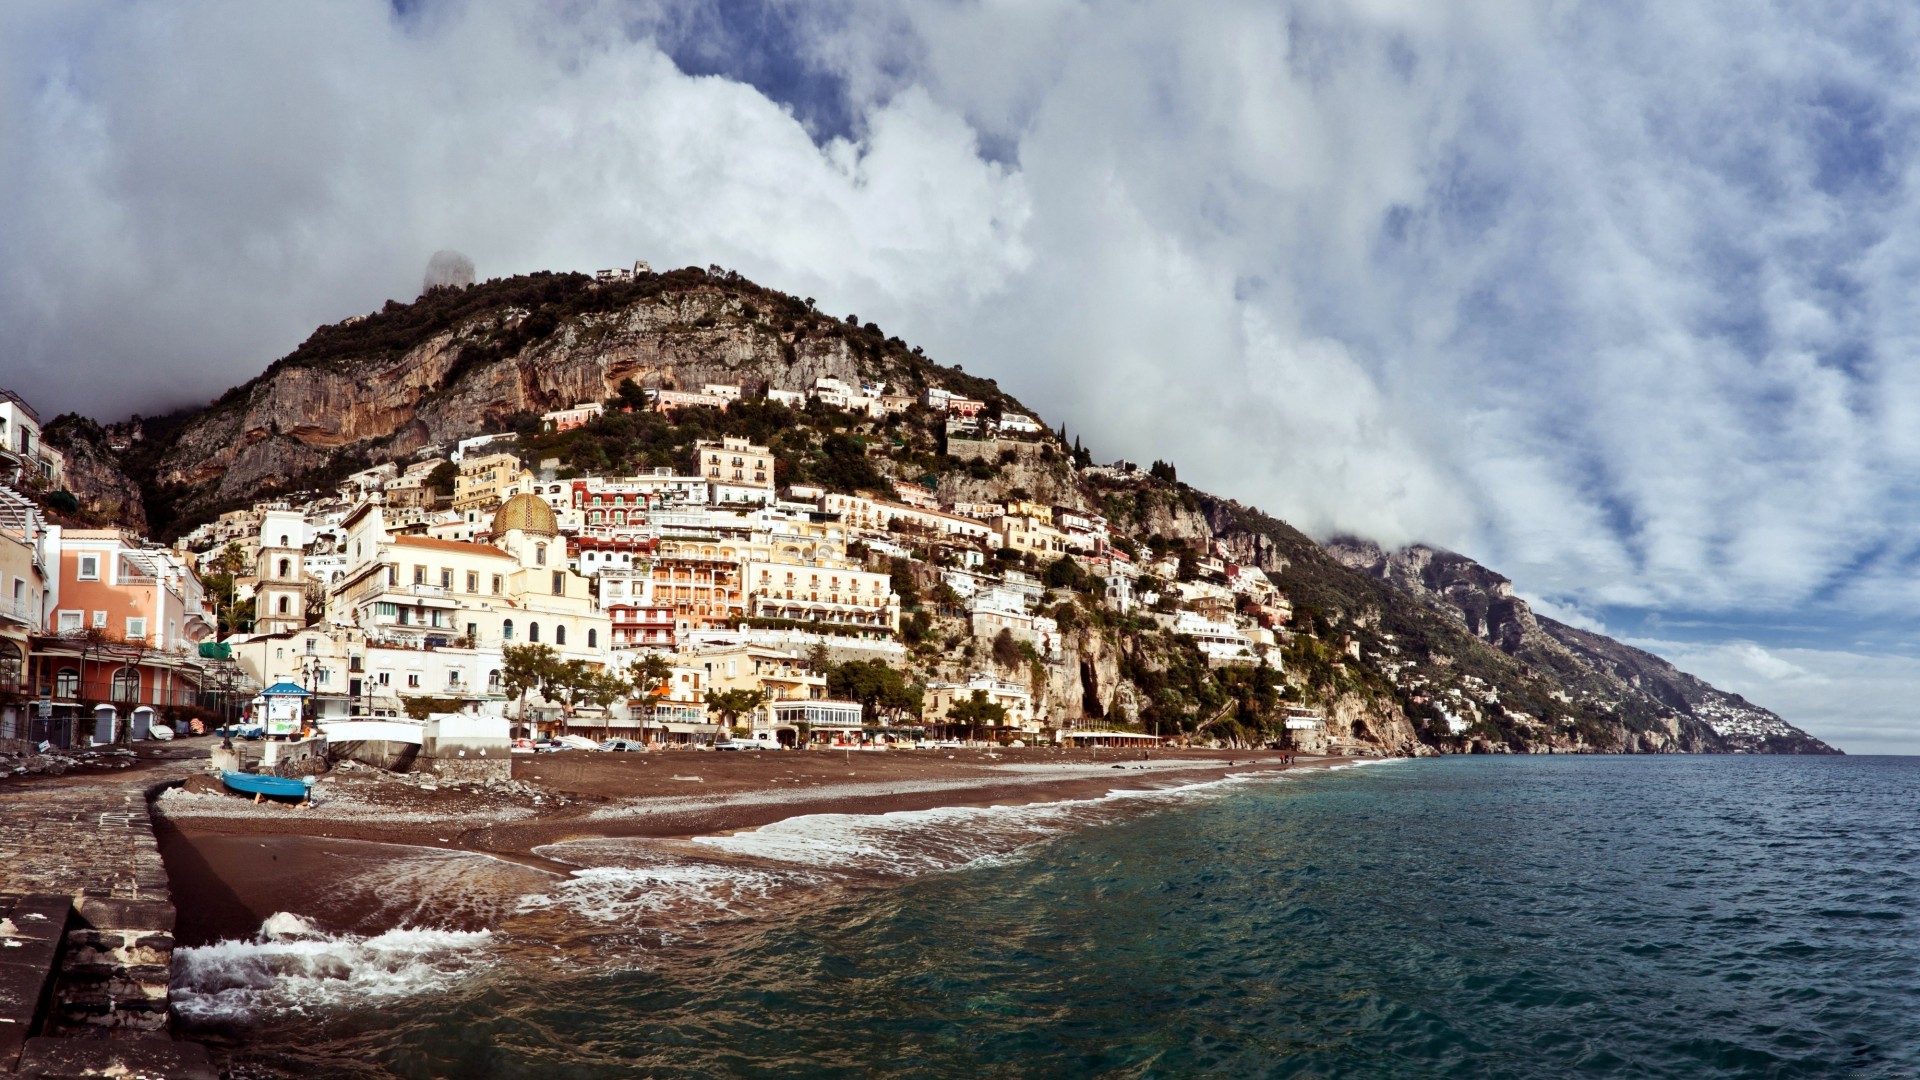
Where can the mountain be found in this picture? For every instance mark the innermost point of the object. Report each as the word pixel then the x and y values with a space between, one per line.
pixel 1618 678
pixel 1416 651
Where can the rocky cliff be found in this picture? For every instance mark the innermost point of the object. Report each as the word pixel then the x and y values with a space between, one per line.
pixel 1413 651
pixel 95 476
pixel 1594 670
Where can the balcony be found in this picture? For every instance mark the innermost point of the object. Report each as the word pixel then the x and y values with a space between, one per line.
pixel 17 610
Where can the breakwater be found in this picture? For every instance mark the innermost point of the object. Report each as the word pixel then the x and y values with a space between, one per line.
pixel 88 926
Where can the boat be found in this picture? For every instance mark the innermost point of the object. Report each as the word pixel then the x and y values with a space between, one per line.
pixel 257 785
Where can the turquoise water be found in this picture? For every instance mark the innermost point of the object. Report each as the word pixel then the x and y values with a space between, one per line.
pixel 1473 917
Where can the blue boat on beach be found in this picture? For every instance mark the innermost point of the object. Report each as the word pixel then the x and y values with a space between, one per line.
pixel 257 785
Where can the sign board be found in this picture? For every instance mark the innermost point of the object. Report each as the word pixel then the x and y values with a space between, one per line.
pixel 283 715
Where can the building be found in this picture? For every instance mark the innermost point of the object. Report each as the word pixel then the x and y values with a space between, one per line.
pixel 729 391
pixel 280 592
pixel 865 514
pixel 489 480
pixel 669 400
pixel 637 620
pixel 416 592
pixel 1019 424
pixel 24 459
pixel 824 596
pixel 1219 639
pixel 23 592
pixel 568 419
pixel 1020 720
pixel 736 470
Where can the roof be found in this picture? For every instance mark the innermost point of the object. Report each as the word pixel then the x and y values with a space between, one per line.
pixel 528 513
pixel 285 689
pixel 462 547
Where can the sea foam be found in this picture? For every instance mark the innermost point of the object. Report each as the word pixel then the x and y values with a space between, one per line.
pixel 292 967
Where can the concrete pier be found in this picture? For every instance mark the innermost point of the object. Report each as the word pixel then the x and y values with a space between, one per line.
pixel 86 925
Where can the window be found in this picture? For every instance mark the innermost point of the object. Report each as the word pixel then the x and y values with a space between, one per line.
pixel 533 631
pixel 453 678
pixel 126 685
pixel 446 578
pixel 89 568
pixel 355 664
pixel 559 635
pixel 286 568
pixel 10 663
pixel 72 622
pixel 312 645
pixel 285 605
pixel 384 608
pixel 384 679
pixel 413 680
pixel 393 574
pixel 473 581
pixel 419 575
pixel 473 635
pixel 283 540
pixel 540 554
pixel 100 620
pixel 493 681
pixel 559 583
pixel 66 684
pixel 593 639
pixel 496 584
pixel 506 630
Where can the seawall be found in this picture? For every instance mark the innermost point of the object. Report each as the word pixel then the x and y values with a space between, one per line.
pixel 86 940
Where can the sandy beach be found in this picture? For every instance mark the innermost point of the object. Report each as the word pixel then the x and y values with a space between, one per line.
pixel 233 863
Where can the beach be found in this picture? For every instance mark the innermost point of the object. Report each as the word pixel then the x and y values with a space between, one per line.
pixel 377 850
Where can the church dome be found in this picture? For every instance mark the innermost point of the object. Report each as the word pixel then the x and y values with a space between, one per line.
pixel 528 513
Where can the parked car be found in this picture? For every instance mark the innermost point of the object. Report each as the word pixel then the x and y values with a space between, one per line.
pixel 623 744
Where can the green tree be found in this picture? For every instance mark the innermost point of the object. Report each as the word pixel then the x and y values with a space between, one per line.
pixel 976 712
pixel 601 690
pixel 876 685
pixel 524 668
pixel 440 480
pixel 730 704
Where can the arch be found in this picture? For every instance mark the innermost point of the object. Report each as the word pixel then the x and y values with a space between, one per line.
pixel 593 638
pixel 286 567
pixel 283 540
pixel 506 630
pixel 66 683
pixel 285 605
pixel 560 635
pixel 126 685
pixel 533 631
pixel 493 681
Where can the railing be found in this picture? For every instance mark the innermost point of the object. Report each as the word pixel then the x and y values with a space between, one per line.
pixel 16 608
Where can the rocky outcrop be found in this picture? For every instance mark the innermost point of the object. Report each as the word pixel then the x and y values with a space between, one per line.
pixel 107 495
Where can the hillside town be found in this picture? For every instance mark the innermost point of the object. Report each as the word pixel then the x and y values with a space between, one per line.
pixel 676 606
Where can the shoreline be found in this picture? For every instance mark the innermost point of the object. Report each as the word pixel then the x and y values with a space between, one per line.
pixel 234 863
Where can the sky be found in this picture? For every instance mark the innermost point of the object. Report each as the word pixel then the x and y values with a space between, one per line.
pixel 1610 296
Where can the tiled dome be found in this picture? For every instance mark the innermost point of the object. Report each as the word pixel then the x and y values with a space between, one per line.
pixel 528 513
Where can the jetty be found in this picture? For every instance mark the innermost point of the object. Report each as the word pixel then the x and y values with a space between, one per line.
pixel 86 924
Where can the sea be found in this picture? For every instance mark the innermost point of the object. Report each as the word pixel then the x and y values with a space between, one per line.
pixel 1523 917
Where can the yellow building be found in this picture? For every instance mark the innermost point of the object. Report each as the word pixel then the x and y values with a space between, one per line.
pixel 412 590
pixel 489 481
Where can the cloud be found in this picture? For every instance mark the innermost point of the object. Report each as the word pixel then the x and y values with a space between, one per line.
pixel 1612 296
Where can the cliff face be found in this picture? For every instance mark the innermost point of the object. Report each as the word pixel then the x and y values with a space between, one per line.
pixel 107 495
pixel 464 379
pixel 1418 650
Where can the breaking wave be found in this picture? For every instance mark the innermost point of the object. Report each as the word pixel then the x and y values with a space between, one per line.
pixel 291 967
pixel 654 884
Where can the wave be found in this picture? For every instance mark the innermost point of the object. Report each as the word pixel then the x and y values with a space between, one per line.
pixel 291 967
pixel 633 881
pixel 910 843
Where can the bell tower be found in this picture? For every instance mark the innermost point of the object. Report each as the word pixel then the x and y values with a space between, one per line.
pixel 280 597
